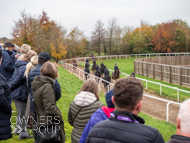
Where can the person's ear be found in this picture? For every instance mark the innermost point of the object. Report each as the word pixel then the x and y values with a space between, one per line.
pixel 139 105
pixel 112 99
pixel 178 123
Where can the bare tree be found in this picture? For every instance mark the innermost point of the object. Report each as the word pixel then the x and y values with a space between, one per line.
pixel 97 36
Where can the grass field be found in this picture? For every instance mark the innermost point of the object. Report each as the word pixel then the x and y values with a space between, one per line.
pixel 127 66
pixel 70 86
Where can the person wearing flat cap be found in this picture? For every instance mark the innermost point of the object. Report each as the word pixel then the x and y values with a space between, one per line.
pixel 42 58
pixel 7 65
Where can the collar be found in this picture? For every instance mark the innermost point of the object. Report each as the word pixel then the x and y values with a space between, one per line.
pixel 9 52
pixel 130 115
pixel 181 138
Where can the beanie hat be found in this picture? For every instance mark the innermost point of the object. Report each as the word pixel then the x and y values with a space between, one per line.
pixel 133 73
pixel 8 44
pixel 25 48
pixel 44 56
pixel 115 63
pixel 108 97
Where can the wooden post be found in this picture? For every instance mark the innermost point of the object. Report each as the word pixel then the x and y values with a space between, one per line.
pixel 142 68
pixel 170 74
pixel 138 67
pixel 134 66
pixel 161 75
pixel 147 69
pixel 153 70
pixel 180 76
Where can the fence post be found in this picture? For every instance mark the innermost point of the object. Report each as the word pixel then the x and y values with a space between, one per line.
pixel 83 76
pixel 147 69
pixel 170 74
pixel 99 84
pixel 160 89
pixel 167 111
pixel 134 66
pixel 142 68
pixel 161 72
pixel 178 94
pixel 146 85
pixel 180 76
pixel 153 71
pixel 138 67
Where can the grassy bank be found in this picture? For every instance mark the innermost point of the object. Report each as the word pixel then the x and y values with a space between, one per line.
pixel 70 86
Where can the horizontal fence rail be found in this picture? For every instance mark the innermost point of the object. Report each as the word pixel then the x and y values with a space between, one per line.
pixel 70 67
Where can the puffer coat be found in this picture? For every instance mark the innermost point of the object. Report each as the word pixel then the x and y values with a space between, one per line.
pixel 17 83
pixel 80 111
pixel 5 110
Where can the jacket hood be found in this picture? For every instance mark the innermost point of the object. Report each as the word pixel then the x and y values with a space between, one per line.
pixel 21 63
pixel 84 98
pixel 107 110
pixel 40 81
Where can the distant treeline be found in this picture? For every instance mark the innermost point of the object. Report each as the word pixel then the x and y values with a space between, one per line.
pixel 44 34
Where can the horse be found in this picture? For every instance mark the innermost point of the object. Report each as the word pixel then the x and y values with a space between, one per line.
pixel 94 68
pixel 74 67
pixel 107 78
pixel 102 70
pixel 116 76
pixel 98 74
pixel 88 71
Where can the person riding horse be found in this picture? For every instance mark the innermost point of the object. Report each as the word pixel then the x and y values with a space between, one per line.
pixel 87 65
pixel 97 69
pixel 94 64
pixel 106 72
pixel 102 65
pixel 115 68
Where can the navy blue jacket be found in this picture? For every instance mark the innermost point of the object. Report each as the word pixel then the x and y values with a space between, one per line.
pixel 94 62
pixel 102 65
pixel 114 130
pixel 7 65
pixel 97 68
pixel 18 82
pixel 31 76
pixel 87 66
pixel 106 72
pixel 115 68
pixel 5 110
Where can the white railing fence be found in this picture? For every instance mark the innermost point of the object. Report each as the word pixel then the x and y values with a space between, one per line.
pixel 69 67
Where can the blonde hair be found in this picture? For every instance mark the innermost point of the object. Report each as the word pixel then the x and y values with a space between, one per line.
pixel 49 69
pixel 25 48
pixel 29 55
pixel 32 64
pixel 90 85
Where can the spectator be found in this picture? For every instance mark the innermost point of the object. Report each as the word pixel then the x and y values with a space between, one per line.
pixel 183 124
pixel 20 93
pixel 83 106
pixel 42 58
pixel 5 108
pixel 133 74
pixel 100 115
pixel 124 124
pixel 23 50
pixel 7 64
pixel 15 54
pixel 31 65
pixel 45 99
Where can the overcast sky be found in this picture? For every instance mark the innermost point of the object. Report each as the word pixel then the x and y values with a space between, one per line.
pixel 85 13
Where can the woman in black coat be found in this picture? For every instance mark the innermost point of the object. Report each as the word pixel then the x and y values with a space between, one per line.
pixel 5 108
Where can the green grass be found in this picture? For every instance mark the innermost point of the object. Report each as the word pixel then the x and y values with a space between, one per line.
pixel 70 86
pixel 127 66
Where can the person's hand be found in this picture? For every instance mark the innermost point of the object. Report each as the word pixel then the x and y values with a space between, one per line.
pixel 17 55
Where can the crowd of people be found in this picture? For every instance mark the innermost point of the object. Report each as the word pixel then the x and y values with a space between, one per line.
pixel 30 81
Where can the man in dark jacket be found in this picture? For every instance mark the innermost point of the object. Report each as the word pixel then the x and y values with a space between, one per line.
pixel 124 124
pixel 94 63
pixel 5 108
pixel 102 65
pixel 115 68
pixel 183 124
pixel 97 68
pixel 106 72
pixel 7 66
pixel 42 58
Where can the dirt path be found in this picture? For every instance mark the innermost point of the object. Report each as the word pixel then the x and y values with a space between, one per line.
pixel 152 107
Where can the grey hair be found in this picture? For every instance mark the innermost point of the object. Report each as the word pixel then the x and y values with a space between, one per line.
pixel 184 116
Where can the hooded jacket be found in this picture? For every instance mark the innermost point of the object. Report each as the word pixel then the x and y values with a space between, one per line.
pixel 45 103
pixel 5 112
pixel 18 82
pixel 80 111
pixel 7 65
pixel 99 115
pixel 31 76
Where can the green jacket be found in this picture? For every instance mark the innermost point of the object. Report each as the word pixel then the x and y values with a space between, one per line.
pixel 80 111
pixel 45 103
